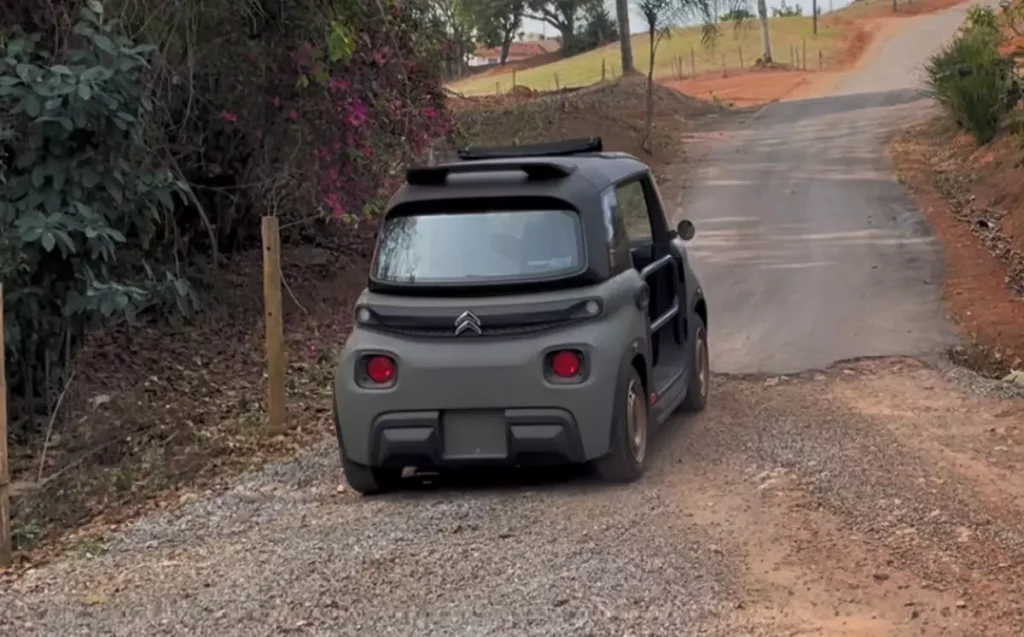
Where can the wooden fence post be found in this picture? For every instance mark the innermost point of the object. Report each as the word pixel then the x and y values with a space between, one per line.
pixel 693 63
pixel 557 85
pixel 741 57
pixel 6 550
pixel 804 54
pixel 723 64
pixel 604 69
pixel 820 64
pixel 274 323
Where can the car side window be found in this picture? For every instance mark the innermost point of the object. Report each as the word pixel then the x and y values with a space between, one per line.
pixel 633 208
pixel 618 242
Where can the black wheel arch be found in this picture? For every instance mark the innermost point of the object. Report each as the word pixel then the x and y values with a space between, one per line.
pixel 635 358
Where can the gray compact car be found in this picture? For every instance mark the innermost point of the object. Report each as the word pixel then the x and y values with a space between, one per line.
pixel 525 305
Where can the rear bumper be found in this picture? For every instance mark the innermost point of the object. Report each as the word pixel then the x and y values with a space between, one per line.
pixel 468 438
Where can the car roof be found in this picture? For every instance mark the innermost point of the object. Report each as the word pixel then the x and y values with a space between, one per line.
pixel 573 171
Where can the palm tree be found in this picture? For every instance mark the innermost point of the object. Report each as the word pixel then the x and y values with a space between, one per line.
pixel 706 11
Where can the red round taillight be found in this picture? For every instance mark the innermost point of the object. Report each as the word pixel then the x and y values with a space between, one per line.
pixel 380 369
pixel 565 364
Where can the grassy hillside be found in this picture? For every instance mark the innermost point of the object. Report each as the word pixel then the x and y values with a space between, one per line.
pixel 585 69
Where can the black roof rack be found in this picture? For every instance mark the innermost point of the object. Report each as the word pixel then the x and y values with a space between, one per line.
pixel 438 175
pixel 550 149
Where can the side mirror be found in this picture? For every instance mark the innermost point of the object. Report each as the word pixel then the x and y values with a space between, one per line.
pixel 686 230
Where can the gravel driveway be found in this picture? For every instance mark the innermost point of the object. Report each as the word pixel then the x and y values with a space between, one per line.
pixel 821 504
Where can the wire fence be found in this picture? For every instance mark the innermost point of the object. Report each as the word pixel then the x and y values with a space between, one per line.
pixel 699 63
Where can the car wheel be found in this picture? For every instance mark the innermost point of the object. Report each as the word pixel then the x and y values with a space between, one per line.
pixel 370 481
pixel 628 456
pixel 700 371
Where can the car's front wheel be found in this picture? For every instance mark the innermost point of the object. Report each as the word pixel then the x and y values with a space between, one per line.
pixel 628 456
pixel 369 480
pixel 700 371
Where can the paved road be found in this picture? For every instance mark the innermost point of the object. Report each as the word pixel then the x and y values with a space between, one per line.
pixel 810 250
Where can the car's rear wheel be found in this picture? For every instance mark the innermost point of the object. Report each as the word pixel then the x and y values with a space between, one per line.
pixel 628 456
pixel 700 372
pixel 368 480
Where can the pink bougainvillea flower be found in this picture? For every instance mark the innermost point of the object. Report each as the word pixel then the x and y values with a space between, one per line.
pixel 229 117
pixel 292 115
pixel 338 85
pixel 357 114
pixel 333 202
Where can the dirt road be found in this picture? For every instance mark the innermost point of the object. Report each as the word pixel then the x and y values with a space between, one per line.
pixel 810 249
pixel 881 498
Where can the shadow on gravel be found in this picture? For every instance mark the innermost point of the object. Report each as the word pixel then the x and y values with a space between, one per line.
pixel 543 478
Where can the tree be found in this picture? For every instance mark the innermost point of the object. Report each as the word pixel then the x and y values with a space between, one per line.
pixel 456 17
pixel 625 37
pixel 657 16
pixel 766 45
pixel 497 21
pixel 735 11
pixel 562 15
pixel 786 11
pixel 598 30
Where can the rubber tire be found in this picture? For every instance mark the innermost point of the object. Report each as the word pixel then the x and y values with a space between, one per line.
pixel 618 465
pixel 695 401
pixel 370 481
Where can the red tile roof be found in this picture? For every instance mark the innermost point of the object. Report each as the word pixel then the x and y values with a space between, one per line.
pixel 521 50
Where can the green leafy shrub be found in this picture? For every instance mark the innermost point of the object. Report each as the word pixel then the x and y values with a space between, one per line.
pixel 971 81
pixel 165 136
pixel 76 182
pixel 980 16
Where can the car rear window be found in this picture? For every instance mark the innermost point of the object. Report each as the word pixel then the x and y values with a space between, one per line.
pixel 479 246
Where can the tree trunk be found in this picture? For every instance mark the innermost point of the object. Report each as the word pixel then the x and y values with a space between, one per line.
pixel 625 41
pixel 766 45
pixel 649 115
pixel 568 35
pixel 505 46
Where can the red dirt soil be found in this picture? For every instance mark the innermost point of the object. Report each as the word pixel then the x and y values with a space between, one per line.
pixel 750 89
pixel 961 188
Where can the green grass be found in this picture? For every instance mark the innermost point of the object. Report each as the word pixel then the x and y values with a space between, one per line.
pixel 585 69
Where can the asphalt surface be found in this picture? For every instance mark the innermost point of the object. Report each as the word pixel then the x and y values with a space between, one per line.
pixel 809 249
